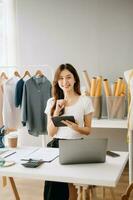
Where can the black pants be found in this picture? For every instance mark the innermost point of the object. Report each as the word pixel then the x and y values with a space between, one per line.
pixel 55 190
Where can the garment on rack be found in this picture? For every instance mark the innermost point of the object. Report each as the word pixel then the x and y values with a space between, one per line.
pixel 11 114
pixel 19 92
pixel 1 103
pixel 3 79
pixel 35 95
pixel 19 89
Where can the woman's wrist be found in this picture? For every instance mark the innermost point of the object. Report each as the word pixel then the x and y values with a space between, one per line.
pixel 83 130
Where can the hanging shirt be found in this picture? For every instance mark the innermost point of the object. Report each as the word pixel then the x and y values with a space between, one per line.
pixel 11 114
pixel 19 92
pixel 35 95
pixel 1 103
pixel 82 107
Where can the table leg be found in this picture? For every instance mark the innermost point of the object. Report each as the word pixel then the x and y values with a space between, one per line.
pixel 84 189
pixel 14 188
pixel 93 193
pixel 103 196
pixel 112 193
pixel 4 181
pixel 88 193
pixel 79 191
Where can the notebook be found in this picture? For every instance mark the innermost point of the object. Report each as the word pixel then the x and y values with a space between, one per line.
pixel 78 151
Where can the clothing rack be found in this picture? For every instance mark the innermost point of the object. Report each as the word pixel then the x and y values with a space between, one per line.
pixel 47 70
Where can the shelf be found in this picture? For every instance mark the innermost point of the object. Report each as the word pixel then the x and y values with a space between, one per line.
pixel 108 123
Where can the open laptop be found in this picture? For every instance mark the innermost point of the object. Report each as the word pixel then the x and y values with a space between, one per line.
pixel 78 151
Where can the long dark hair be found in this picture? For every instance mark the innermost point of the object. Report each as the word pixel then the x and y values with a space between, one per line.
pixel 57 92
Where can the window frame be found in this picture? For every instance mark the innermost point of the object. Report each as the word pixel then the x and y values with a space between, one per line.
pixel 8 33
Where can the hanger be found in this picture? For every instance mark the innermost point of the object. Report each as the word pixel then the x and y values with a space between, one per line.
pixel 39 73
pixel 3 75
pixel 17 74
pixel 27 73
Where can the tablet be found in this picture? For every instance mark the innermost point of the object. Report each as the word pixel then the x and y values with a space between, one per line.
pixel 57 120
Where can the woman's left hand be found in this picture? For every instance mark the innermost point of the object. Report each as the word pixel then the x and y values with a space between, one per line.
pixel 71 125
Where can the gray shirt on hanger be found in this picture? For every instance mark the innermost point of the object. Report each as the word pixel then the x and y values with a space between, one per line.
pixel 35 95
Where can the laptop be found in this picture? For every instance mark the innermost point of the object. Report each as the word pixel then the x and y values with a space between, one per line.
pixel 78 151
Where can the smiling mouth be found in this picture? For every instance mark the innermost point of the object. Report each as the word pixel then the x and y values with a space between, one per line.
pixel 66 86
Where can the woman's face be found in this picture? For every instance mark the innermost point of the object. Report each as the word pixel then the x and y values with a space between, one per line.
pixel 66 81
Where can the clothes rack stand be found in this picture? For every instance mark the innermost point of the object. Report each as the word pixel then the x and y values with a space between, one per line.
pixel 48 72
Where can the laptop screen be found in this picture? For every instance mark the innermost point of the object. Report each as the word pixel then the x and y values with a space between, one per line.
pixel 78 151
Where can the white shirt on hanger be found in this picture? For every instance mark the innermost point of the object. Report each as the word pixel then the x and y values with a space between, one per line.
pixel 1 103
pixel 11 114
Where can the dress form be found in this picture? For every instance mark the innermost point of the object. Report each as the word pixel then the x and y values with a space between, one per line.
pixel 129 78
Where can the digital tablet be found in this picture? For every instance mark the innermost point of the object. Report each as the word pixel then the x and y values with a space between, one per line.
pixel 57 120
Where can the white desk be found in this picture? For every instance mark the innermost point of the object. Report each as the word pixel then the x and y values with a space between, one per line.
pixel 109 123
pixel 103 174
pixel 121 124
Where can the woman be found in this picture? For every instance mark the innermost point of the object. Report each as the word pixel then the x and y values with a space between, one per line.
pixel 67 100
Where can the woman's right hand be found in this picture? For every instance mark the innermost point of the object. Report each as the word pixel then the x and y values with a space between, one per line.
pixel 60 104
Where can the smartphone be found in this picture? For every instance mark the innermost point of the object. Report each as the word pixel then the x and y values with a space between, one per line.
pixel 57 120
pixel 33 163
pixel 112 154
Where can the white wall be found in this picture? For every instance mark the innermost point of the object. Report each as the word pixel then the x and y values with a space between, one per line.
pixel 93 34
pixel 96 35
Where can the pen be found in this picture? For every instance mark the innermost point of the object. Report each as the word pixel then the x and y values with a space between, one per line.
pixel 25 159
pixel 9 154
pixel 30 159
pixel 33 160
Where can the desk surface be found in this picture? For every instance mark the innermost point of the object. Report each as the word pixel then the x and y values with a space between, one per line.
pixel 103 174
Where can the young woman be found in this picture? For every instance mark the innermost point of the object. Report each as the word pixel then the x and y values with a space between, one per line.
pixel 67 100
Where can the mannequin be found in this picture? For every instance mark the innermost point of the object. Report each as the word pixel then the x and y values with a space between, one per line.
pixel 129 78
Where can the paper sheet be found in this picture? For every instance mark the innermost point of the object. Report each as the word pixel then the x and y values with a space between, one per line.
pixel 46 154
pixel 21 153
